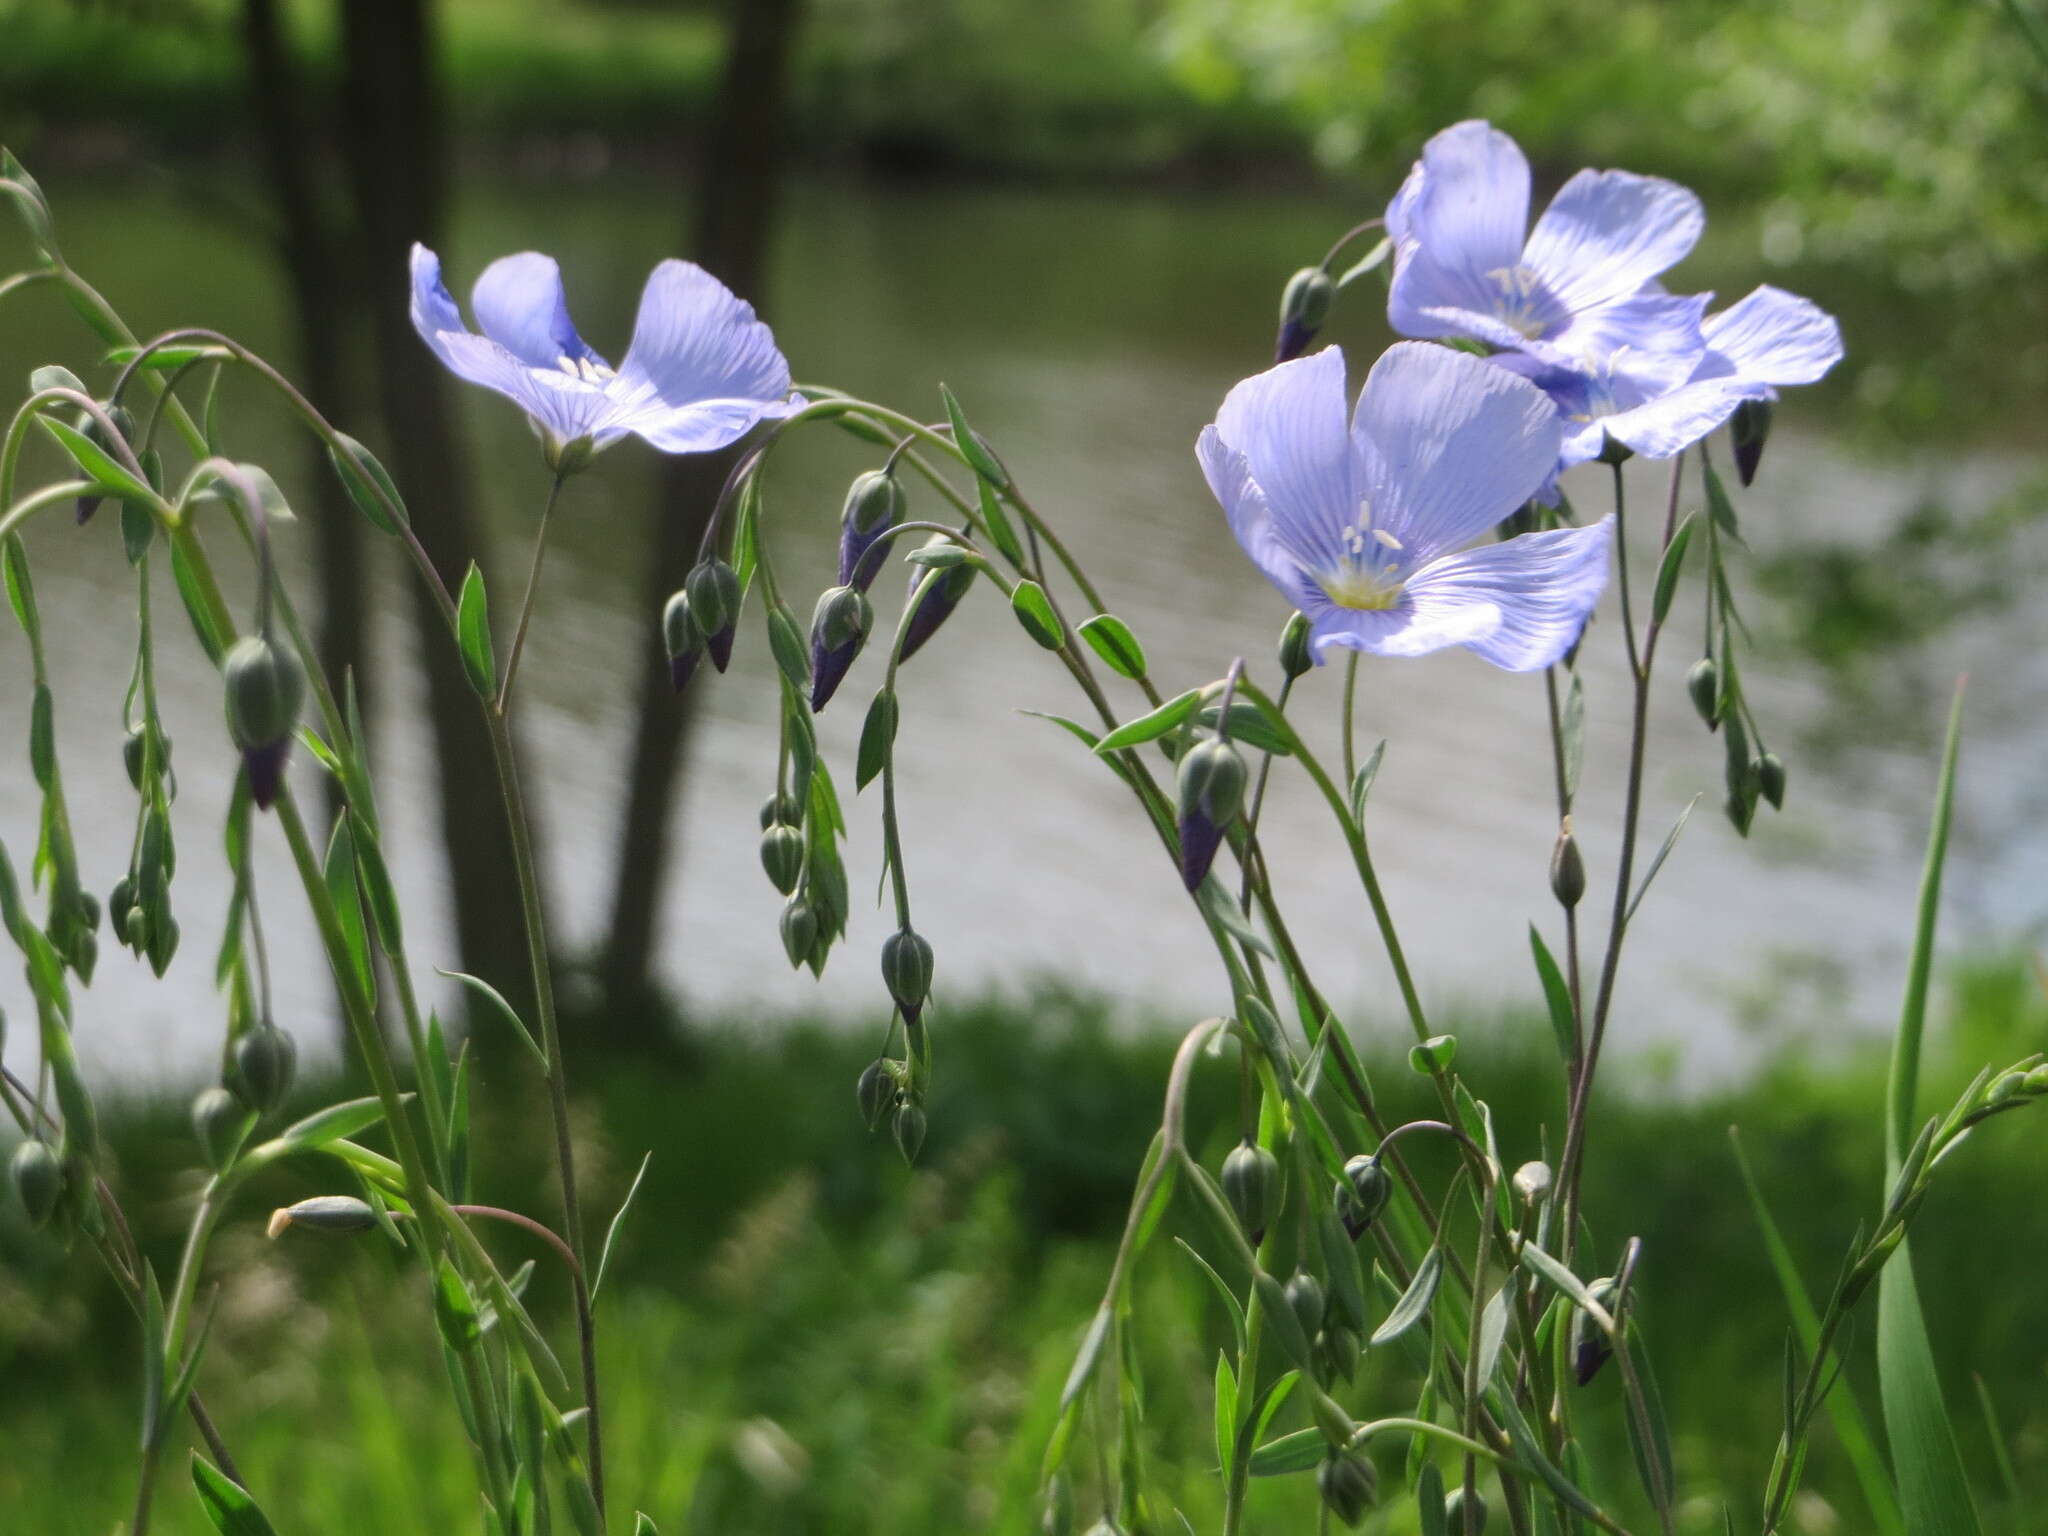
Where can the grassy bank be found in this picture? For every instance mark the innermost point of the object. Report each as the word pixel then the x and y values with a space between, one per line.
pixel 806 1337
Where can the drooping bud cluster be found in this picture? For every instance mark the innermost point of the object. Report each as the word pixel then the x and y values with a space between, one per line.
pixel 1251 1183
pixel 1349 1484
pixel 265 688
pixel 839 628
pixel 1212 780
pixel 874 505
pixel 1304 306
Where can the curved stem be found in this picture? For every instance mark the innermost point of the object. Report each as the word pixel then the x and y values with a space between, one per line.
pixel 539 1229
pixel 540 547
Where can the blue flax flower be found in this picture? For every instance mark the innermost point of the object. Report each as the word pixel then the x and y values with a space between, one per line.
pixel 1660 403
pixel 1362 528
pixel 700 371
pixel 1579 285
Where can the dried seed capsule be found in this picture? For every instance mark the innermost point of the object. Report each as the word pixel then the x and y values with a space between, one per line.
pixel 1348 1484
pixel 38 1180
pixel 1251 1183
pixel 264 1061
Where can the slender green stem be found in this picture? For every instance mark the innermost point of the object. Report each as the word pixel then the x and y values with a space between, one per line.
pixel 540 548
pixel 1346 728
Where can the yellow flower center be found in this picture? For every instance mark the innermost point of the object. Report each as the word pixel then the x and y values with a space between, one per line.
pixel 1368 578
pixel 1520 288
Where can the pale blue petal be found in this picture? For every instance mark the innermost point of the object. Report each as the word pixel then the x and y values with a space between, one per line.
pixel 519 305
pixel 701 368
pixel 1606 233
pixel 1520 605
pixel 1774 337
pixel 1288 423
pixel 562 405
pixel 1448 446
pixel 1674 421
pixel 1250 516
pixel 1656 333
pixel 1458 224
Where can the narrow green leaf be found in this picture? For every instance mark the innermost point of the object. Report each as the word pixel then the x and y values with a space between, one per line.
pixel 21 589
pixel 1652 1456
pixel 611 1233
pixel 192 592
pixel 877 734
pixel 340 871
pixel 1231 1304
pixel 1222 909
pixel 1557 997
pixel 1719 507
pixel 785 643
pixel 166 359
pixel 1150 727
pixel 1290 1453
pixel 378 891
pixel 971 447
pixel 1111 639
pixel 1668 569
pixel 1274 1400
pixel 1034 611
pixel 1001 531
pixel 153 1351
pixel 1372 259
pixel 96 462
pixel 1996 1432
pixel 1429 1499
pixel 503 1009
pixel 368 485
pixel 227 1503
pixel 1226 1411
pixel 138 531
pixel 1663 853
pixel 940 557
pixel 55 376
pixel 334 1122
pixel 473 634
pixel 1361 785
pixel 42 738
pixel 1414 1302
pixel 1493 1332
pixel 1248 727
pixel 1087 1357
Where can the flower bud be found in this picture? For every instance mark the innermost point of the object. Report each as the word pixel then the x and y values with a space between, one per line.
pixel 875 1092
pixel 1304 306
pixel 160 940
pixel 908 1127
pixel 1251 1183
pixel 323 1213
pixel 713 589
pixel 942 594
pixel 1305 1296
pixel 1532 1183
pixel 799 931
pixel 682 638
pixel 1567 868
pixel 219 1121
pixel 2009 1085
pixel 781 809
pixel 133 751
pixel 1770 778
pixel 120 902
pixel 1462 1516
pixel 1703 682
pixel 1751 429
pixel 264 1060
pixel 1295 656
pixel 265 687
pixel 839 627
pixel 1348 1484
pixel 1337 1349
pixel 907 970
pixel 1370 1189
pixel 782 855
pixel 2037 1079
pixel 38 1180
pixel 1613 450
pixel 1589 1344
pixel 874 504
pixel 124 423
pixel 1212 779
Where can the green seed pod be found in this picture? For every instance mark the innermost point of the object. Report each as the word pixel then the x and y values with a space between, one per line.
pixel 1770 778
pixel 875 1092
pixel 1567 868
pixel 1251 1183
pixel 1457 1520
pixel 1348 1484
pixel 1295 656
pixel 1057 1518
pixel 324 1213
pixel 1371 1188
pixel 1305 1296
pixel 782 810
pixel 907 970
pixel 38 1180
pixel 264 1060
pixel 265 688
pixel 908 1127
pixel 782 856
pixel 799 931
pixel 1703 682
pixel 219 1121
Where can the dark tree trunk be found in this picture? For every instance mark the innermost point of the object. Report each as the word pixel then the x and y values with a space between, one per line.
pixel 396 149
pixel 737 183
pixel 324 304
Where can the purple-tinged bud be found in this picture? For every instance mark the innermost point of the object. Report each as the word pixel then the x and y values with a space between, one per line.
pixel 323 1213
pixel 1462 1516
pixel 1363 1194
pixel 1751 429
pixel 907 970
pixel 38 1180
pixel 941 595
pixel 782 856
pixel 874 504
pixel 876 1091
pixel 1567 868
pixel 683 640
pixel 265 1058
pixel 839 628
pixel 124 423
pixel 713 589
pixel 1212 779
pixel 1304 306
pixel 265 688
pixel 1348 1484
pixel 1295 656
pixel 1305 1296
pixel 220 1121
pixel 1251 1183
pixel 1703 682
pixel 1590 1346
pixel 1770 778
pixel 908 1127
pixel 799 931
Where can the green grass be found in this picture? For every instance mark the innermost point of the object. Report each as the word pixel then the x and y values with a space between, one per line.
pixel 806 1337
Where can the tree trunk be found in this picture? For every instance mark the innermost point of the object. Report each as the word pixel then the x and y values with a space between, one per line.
pixel 737 182
pixel 396 148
